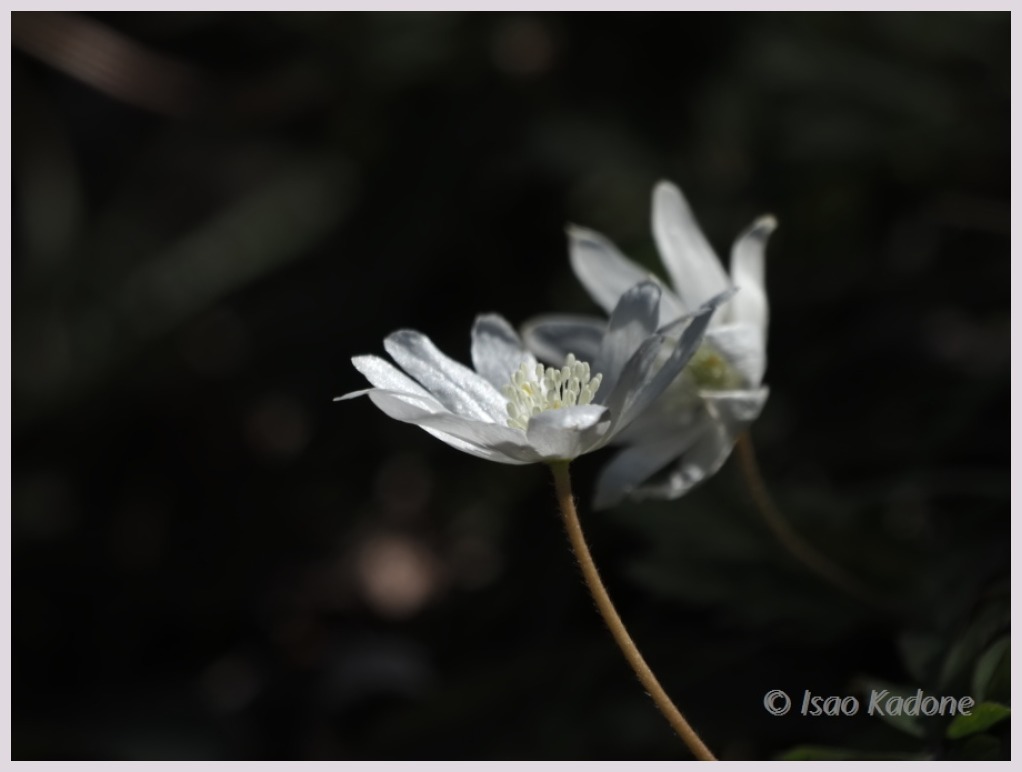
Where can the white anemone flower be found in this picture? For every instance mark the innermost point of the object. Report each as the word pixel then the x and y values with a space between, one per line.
pixel 513 410
pixel 688 433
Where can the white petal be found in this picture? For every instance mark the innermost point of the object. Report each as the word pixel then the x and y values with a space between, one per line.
pixel 747 272
pixel 383 375
pixel 497 351
pixel 552 337
pixel 636 373
pixel 352 395
pixel 741 345
pixel 634 319
pixel 607 274
pixel 568 432
pixel 729 414
pixel 668 414
pixel 405 407
pixel 473 450
pixel 509 443
pixel 454 430
pixel 634 465
pixel 462 390
pixel 411 408
pixel 736 409
pixel 701 462
pixel 651 379
pixel 693 266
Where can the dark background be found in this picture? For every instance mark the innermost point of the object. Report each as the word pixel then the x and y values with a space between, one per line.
pixel 213 212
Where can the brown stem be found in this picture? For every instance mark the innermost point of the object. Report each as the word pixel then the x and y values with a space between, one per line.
pixel 799 548
pixel 562 481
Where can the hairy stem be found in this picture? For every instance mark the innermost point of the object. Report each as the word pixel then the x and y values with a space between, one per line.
pixel 562 481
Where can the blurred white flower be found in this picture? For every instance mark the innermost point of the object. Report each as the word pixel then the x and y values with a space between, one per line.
pixel 688 432
pixel 511 409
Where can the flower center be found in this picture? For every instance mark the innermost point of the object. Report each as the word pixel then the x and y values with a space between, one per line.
pixel 710 370
pixel 535 389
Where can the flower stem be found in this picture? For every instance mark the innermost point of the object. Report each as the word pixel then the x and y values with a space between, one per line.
pixel 799 548
pixel 562 481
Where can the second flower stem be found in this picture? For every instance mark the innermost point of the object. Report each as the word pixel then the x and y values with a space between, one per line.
pixel 562 482
pixel 798 547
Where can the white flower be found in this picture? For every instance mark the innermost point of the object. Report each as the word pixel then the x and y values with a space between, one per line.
pixel 695 422
pixel 511 409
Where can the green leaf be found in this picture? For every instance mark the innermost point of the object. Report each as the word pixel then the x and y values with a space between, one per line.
pixel 993 618
pixel 825 753
pixel 991 680
pixel 983 716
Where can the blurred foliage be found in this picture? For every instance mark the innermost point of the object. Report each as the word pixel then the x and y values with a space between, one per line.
pixel 213 211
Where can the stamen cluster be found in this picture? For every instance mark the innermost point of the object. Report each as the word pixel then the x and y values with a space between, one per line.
pixel 535 389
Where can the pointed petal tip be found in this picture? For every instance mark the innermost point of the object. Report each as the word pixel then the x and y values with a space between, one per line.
pixel 579 233
pixel 717 300
pixel 352 395
pixel 668 199
pixel 399 337
pixel 763 226
pixel 666 188
pixel 361 359
pixel 582 233
pixel 648 286
pixel 487 317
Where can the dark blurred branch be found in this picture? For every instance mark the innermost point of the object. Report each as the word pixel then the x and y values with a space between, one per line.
pixel 106 60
